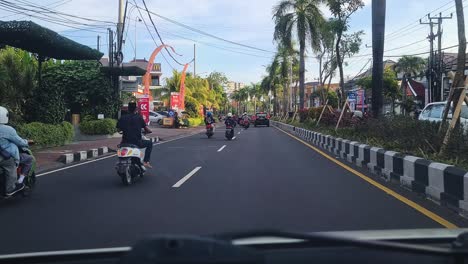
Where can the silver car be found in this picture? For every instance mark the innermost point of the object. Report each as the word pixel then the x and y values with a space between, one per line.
pixel 433 112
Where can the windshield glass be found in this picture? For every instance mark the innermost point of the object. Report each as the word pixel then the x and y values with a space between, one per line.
pixel 122 119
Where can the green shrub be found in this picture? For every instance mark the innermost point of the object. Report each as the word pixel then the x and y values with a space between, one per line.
pixel 47 135
pixel 98 127
pixel 195 121
pixel 314 112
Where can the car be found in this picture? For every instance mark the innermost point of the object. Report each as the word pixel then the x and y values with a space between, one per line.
pixel 261 119
pixel 164 113
pixel 433 112
pixel 155 117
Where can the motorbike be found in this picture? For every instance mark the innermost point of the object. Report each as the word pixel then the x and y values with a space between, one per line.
pixel 246 123
pixel 209 130
pixel 130 165
pixel 29 180
pixel 229 132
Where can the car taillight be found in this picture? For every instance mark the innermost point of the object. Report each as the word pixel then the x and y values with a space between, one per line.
pixel 123 152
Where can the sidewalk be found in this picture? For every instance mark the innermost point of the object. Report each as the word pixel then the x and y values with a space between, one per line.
pixel 47 159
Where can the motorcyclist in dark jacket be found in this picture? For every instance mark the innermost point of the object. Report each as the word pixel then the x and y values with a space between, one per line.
pixel 230 121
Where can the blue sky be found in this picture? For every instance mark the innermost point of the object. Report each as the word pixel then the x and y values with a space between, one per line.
pixel 248 22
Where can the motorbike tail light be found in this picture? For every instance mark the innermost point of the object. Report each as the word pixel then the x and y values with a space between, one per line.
pixel 123 151
pixel 208 126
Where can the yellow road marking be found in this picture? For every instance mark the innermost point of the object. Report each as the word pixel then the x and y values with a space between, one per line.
pixel 399 197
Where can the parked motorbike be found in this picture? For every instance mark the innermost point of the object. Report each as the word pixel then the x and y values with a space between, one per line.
pixel 229 132
pixel 209 130
pixel 130 165
pixel 29 180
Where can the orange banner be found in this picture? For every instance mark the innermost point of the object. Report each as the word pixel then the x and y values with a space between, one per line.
pixel 182 88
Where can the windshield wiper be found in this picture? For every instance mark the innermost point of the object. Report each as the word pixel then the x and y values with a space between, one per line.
pixel 459 246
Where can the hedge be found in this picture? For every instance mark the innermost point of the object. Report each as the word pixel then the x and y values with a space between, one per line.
pixel 399 133
pixel 47 135
pixel 195 121
pixel 98 127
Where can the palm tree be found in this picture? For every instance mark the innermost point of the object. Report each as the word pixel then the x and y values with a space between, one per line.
pixel 304 17
pixel 410 66
pixel 273 79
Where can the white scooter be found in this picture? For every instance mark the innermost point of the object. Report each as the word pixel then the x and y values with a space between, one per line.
pixel 130 165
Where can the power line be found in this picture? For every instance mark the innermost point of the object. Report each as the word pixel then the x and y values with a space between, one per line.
pixel 215 46
pixel 205 33
pixel 157 32
pixel 418 54
pixel 27 3
pixel 53 21
pixel 154 40
pixel 10 7
pixel 417 21
pixel 407 45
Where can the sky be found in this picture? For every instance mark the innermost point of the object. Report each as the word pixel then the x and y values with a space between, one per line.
pixel 248 22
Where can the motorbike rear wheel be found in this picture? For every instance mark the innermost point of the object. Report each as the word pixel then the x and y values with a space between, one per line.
pixel 127 177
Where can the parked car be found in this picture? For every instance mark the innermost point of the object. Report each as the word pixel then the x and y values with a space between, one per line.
pixel 433 112
pixel 261 120
pixel 155 117
pixel 164 113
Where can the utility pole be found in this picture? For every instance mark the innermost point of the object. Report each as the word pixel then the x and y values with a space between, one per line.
pixel 194 61
pixel 378 39
pixel 431 37
pixel 111 47
pixel 439 93
pixel 98 43
pixel 120 29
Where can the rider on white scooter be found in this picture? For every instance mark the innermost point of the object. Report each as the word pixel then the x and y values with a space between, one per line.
pixel 9 153
pixel 131 125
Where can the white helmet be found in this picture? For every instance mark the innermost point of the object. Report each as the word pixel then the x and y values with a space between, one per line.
pixel 3 115
pixel 229 114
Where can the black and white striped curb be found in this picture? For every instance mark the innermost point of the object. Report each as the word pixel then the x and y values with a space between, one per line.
pixel 90 153
pixel 442 183
pixel 83 155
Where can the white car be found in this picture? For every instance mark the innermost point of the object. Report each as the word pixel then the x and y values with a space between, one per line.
pixel 155 117
pixel 433 112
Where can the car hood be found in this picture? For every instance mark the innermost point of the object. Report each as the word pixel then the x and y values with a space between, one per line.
pixel 398 234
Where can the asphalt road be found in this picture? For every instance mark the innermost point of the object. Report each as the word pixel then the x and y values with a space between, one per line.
pixel 263 179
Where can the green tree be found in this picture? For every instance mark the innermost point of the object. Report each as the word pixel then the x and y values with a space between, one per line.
pixel 390 87
pixel 326 57
pixel 410 66
pixel 17 81
pixel 303 17
pixel 342 11
pixel 87 91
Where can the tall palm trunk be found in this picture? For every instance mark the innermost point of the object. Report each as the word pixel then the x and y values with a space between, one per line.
pixel 275 107
pixel 285 96
pixel 301 73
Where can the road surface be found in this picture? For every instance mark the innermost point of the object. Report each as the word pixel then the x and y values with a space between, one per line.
pixel 263 179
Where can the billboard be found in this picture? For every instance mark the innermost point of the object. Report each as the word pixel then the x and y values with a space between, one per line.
pixel 175 100
pixel 143 105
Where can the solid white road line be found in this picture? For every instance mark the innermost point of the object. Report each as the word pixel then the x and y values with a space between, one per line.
pixel 219 150
pixel 106 157
pixel 186 177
